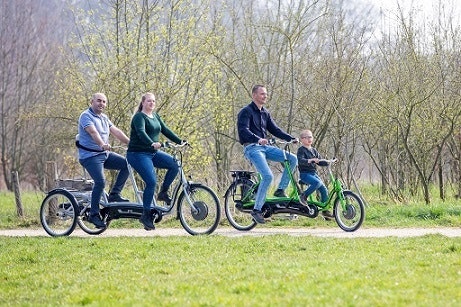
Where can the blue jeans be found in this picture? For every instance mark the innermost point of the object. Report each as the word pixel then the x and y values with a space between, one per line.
pixel 315 183
pixel 95 167
pixel 258 156
pixel 144 163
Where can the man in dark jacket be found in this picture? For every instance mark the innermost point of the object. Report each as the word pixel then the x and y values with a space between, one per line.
pixel 253 123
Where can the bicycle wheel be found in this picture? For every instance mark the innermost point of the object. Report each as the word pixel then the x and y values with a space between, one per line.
pixel 58 213
pixel 84 224
pixel 206 218
pixel 237 217
pixel 351 217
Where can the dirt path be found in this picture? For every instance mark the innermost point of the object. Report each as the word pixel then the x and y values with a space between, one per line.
pixel 258 231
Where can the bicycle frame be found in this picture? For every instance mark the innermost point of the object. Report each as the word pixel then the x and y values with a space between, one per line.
pixel 336 191
pixel 183 183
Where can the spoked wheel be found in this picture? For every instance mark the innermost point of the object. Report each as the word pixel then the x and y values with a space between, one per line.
pixel 85 225
pixel 351 217
pixel 239 218
pixel 204 219
pixel 58 213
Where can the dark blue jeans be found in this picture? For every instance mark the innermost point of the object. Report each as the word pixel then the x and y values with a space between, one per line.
pixel 144 163
pixel 315 183
pixel 95 167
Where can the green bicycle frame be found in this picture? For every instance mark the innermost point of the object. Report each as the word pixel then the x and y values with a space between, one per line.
pixel 336 191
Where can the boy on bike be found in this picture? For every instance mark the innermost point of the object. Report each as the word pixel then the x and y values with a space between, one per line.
pixel 308 158
pixel 253 123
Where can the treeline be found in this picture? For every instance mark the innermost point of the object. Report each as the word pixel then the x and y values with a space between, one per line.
pixel 380 90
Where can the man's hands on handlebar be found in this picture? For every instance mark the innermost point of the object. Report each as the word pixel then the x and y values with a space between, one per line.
pixel 274 141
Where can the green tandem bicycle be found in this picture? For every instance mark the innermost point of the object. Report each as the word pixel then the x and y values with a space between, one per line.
pixel 239 199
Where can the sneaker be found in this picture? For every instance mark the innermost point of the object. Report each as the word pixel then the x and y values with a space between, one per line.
pixel 146 220
pixel 96 221
pixel 116 198
pixel 280 193
pixel 163 196
pixel 258 216
pixel 327 215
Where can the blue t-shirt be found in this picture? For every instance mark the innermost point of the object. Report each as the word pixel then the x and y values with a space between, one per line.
pixel 101 123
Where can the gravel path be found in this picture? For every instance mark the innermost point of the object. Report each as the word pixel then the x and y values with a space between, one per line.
pixel 258 231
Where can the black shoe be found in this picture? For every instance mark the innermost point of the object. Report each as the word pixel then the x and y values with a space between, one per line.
pixel 303 199
pixel 116 198
pixel 327 215
pixel 163 196
pixel 96 221
pixel 146 220
pixel 258 216
pixel 280 193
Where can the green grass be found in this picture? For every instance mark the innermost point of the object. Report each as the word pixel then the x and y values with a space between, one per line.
pixel 220 271
pixel 275 270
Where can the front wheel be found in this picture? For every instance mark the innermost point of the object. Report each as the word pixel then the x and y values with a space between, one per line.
pixel 350 217
pixel 237 216
pixel 58 213
pixel 203 217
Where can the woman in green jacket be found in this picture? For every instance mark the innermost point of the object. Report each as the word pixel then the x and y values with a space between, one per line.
pixel 144 154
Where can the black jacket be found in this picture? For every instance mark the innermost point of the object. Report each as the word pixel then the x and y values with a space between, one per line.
pixel 254 124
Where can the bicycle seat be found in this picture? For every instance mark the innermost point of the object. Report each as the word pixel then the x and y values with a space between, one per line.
pixel 241 173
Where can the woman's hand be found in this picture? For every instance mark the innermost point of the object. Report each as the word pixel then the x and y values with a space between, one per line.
pixel 156 145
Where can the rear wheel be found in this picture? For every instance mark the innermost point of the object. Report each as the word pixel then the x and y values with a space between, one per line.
pixel 58 213
pixel 204 218
pixel 237 216
pixel 351 217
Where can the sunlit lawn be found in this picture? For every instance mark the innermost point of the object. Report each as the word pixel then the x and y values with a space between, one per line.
pixel 274 270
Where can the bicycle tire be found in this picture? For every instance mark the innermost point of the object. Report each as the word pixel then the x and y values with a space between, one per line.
pixel 352 217
pixel 206 219
pixel 238 219
pixel 58 213
pixel 85 225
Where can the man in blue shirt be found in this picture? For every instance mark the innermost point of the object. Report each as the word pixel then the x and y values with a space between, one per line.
pixel 94 153
pixel 253 123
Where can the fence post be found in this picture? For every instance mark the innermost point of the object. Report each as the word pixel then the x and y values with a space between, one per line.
pixel 51 175
pixel 17 193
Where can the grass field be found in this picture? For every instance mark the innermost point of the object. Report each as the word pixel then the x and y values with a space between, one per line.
pixel 219 271
pixel 276 270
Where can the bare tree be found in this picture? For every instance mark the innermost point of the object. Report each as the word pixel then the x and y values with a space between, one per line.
pixel 28 53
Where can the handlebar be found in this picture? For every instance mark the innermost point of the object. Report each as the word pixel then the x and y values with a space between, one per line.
pixel 329 161
pixel 175 146
pixel 283 142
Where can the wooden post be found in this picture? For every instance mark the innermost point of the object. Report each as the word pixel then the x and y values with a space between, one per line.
pixel 17 194
pixel 51 175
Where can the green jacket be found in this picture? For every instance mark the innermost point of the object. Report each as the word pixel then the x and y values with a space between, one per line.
pixel 146 130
